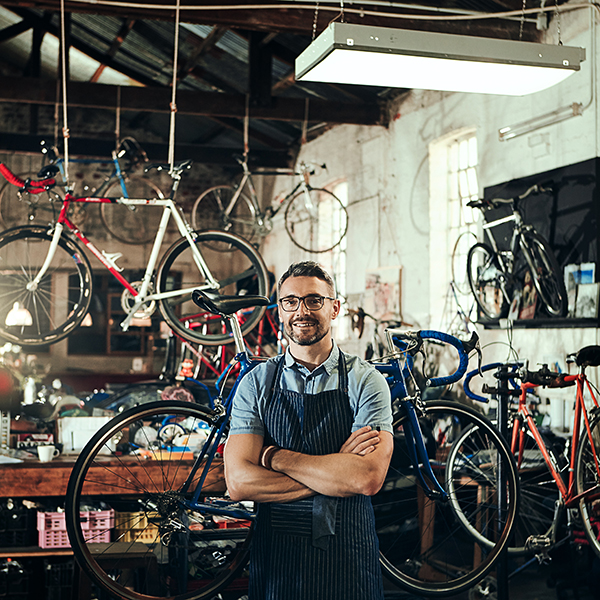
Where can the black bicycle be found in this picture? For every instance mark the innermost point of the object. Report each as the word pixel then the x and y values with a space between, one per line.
pixel 496 275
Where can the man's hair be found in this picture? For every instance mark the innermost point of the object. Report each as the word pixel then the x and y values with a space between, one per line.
pixel 307 268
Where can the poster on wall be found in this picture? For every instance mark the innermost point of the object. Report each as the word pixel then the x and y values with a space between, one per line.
pixel 382 297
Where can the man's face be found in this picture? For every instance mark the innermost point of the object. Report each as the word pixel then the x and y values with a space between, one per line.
pixel 306 327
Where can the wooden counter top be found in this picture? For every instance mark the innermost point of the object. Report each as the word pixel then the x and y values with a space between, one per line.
pixel 33 478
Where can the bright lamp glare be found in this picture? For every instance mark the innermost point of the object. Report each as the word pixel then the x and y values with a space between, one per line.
pixel 18 316
pixel 422 72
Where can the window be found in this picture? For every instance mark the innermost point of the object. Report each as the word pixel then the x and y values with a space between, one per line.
pixel 453 183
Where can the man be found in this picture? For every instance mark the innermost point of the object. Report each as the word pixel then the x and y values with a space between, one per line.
pixel 310 441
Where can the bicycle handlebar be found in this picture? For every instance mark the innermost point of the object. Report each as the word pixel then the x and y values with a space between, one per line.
pixel 484 204
pixel 490 366
pixel 411 342
pixel 28 185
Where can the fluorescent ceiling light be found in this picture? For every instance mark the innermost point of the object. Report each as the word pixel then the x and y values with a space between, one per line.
pixel 360 54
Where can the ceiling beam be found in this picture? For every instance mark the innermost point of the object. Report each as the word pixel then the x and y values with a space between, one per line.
pixel 153 99
pixel 14 30
pixel 158 152
pixel 287 18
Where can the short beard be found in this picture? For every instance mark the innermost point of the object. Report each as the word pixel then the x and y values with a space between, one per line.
pixel 317 337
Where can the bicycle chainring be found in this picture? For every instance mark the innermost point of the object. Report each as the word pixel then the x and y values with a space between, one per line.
pixel 128 300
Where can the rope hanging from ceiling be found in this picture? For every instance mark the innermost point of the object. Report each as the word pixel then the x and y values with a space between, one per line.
pixel 173 104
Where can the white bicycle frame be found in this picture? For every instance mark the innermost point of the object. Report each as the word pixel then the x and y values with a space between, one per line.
pixel 142 297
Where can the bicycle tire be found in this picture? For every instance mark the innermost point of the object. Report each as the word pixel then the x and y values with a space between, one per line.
pixel 424 546
pixel 16 212
pixel 538 494
pixel 56 307
pixel 460 279
pixel 484 274
pixel 587 477
pixel 546 274
pixel 182 554
pixel 317 228
pixel 233 262
pixel 132 224
pixel 209 209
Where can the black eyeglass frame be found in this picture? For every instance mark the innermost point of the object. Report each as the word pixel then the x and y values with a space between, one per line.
pixel 302 300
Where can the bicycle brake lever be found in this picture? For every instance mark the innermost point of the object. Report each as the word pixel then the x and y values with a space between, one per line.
pixel 473 344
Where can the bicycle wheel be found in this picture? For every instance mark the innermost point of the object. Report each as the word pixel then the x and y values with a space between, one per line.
pixel 547 276
pixel 163 545
pixel 424 544
pixel 316 220
pixel 57 305
pixel 233 262
pixel 587 476
pixel 538 494
pixel 209 212
pixel 28 210
pixel 485 280
pixel 132 224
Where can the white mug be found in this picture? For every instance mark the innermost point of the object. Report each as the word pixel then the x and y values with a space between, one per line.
pixel 47 453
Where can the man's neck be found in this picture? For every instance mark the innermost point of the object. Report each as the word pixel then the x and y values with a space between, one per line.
pixel 314 355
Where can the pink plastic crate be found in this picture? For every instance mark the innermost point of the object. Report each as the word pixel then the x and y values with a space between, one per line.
pixel 93 519
pixel 52 529
pixel 58 538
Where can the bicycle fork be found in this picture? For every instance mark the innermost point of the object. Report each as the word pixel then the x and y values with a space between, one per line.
pixel 419 457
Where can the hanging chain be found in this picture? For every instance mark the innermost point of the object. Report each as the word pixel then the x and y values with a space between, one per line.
pixel 314 31
pixel 522 19
pixel 557 13
pixel 341 11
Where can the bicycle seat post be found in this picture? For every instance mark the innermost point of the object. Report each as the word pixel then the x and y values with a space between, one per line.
pixel 236 331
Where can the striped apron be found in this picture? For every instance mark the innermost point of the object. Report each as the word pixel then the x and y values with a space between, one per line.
pixel 320 548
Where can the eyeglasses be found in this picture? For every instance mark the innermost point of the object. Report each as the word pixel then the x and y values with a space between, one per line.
pixel 312 302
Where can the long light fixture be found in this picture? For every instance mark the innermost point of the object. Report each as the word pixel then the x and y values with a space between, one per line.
pixel 365 55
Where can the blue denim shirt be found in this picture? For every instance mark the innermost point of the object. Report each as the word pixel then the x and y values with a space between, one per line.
pixel 368 391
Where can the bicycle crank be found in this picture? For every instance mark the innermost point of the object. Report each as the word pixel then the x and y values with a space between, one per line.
pixel 128 300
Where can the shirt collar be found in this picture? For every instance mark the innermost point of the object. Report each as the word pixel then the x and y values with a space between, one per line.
pixel 329 364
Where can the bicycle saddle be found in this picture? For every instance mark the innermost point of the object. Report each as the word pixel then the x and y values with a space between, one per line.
pixel 226 305
pixel 588 357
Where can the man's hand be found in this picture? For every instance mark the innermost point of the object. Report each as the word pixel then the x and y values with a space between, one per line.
pixel 362 441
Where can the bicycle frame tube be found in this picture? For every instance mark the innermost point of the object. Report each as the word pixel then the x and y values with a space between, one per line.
pixel 418 454
pixel 142 296
pixel 567 491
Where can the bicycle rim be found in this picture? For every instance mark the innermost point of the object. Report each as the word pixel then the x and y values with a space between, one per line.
pixel 538 494
pixel 424 545
pixel 547 275
pixel 484 276
pixel 160 546
pixel 58 304
pixel 233 262
pixel 132 224
pixel 209 212
pixel 587 475
pixel 317 224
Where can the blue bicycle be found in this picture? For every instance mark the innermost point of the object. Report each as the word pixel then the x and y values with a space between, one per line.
pixel 179 536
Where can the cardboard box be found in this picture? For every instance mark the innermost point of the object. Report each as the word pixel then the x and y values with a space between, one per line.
pixel 75 432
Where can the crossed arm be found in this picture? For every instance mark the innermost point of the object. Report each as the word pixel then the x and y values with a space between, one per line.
pixel 358 468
